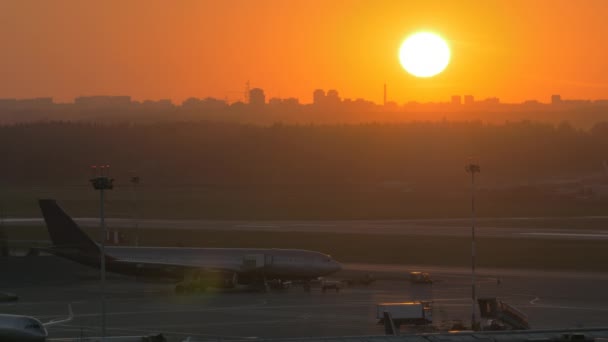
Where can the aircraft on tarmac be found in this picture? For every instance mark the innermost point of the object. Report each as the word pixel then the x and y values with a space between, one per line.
pixel 199 268
pixel 15 328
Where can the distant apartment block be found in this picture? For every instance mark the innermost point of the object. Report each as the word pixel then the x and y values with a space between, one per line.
pixel 332 97
pixel 318 97
pixel 469 100
pixel 556 99
pixel 257 97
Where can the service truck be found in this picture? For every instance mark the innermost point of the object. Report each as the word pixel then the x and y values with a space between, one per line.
pixel 420 278
pixel 411 313
pixel 331 284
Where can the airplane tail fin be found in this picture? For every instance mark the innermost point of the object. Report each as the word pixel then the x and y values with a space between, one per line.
pixel 64 232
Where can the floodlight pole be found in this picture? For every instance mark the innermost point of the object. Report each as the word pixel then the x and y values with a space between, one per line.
pixel 4 250
pixel 135 181
pixel 472 169
pixel 102 182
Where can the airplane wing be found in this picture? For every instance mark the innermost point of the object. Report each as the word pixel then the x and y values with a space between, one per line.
pixel 61 321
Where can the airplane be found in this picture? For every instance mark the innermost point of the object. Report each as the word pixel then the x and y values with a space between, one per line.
pixel 17 328
pixel 197 268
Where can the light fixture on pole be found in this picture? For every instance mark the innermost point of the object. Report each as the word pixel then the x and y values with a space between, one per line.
pixel 473 168
pixel 135 181
pixel 101 181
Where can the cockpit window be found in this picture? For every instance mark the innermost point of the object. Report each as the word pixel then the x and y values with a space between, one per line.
pixel 35 326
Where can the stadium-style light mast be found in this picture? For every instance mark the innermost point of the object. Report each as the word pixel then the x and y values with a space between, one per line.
pixel 135 181
pixel 473 168
pixel 101 181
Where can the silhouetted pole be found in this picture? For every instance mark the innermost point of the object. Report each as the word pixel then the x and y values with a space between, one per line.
pixel 384 103
pixel 102 182
pixel 473 168
pixel 4 250
pixel 135 181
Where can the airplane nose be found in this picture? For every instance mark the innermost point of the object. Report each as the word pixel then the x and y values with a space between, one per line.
pixel 336 266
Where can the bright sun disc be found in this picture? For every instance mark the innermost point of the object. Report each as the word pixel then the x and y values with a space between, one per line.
pixel 424 54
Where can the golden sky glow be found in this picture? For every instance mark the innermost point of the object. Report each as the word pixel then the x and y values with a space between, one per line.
pixel 151 49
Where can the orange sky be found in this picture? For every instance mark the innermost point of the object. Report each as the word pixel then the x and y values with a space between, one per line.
pixel 151 49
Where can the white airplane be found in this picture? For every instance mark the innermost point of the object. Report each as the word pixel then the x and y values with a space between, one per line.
pixel 199 268
pixel 16 328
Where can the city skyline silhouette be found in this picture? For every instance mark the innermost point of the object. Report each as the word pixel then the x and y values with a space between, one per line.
pixel 319 97
pixel 327 107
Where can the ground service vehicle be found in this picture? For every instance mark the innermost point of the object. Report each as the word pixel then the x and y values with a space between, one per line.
pixel 420 278
pixel 414 313
pixel 331 284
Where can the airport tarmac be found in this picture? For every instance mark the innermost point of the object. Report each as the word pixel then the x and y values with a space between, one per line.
pixel 47 284
pixel 578 228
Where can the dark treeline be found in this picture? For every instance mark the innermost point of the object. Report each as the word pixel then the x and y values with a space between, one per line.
pixel 214 153
pixel 325 161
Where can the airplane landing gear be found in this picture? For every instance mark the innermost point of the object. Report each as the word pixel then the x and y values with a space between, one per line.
pixel 187 288
pixel 261 285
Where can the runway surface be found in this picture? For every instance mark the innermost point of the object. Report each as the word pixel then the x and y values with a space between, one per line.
pixel 579 228
pixel 47 284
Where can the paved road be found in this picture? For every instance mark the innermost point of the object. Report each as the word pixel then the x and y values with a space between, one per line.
pixel 580 228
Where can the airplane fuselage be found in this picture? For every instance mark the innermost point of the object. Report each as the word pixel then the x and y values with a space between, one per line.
pixel 174 262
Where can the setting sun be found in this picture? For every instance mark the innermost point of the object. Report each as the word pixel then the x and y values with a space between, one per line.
pixel 424 54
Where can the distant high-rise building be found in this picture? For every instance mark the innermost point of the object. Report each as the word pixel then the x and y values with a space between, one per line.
pixel 333 97
pixel 469 100
pixel 456 100
pixel 257 97
pixel 318 97
pixel 556 99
